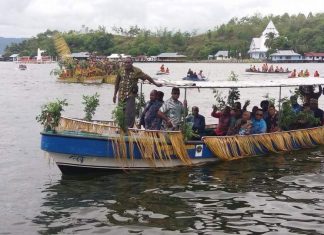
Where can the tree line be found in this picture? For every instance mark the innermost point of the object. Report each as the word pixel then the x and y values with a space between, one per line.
pixel 297 32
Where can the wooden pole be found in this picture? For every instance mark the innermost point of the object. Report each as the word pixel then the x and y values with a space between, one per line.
pixel 279 98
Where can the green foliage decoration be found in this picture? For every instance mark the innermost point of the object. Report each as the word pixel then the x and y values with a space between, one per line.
pixel 51 114
pixel 220 99
pixel 118 115
pixel 186 127
pixel 187 132
pixel 289 120
pixel 287 116
pixel 233 93
pixel 83 64
pixel 308 117
pixel 139 104
pixel 90 102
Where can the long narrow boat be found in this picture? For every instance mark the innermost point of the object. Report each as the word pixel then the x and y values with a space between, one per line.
pixel 80 146
pixel 252 71
pixel 110 79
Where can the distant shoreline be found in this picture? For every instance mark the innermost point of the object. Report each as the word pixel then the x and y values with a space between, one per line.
pixel 206 61
pixel 233 62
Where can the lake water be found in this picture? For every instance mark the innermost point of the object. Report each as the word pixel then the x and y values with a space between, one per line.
pixel 276 194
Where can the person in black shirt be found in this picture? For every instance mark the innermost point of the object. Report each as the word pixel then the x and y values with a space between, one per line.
pixel 197 121
pixel 318 113
pixel 308 93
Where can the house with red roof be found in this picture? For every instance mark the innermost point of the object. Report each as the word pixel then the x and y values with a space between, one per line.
pixel 314 57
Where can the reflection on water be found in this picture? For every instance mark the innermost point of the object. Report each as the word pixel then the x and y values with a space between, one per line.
pixel 272 194
pixel 133 200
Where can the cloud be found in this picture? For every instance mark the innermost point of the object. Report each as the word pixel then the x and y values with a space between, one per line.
pixel 30 17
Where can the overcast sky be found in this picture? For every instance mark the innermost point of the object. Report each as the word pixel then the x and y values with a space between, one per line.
pixel 26 18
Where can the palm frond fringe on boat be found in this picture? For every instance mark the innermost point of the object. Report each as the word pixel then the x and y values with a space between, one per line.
pixel 102 128
pixel 61 47
pixel 154 145
pixel 236 147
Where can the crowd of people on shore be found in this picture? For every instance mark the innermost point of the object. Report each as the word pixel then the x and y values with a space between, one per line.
pixel 268 69
pixel 302 73
pixel 237 120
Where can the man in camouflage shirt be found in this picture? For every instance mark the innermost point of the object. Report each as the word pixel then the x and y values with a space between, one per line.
pixel 126 87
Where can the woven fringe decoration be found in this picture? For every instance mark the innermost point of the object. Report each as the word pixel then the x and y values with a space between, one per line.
pixel 153 145
pixel 236 147
pixel 145 143
pixel 163 149
pixel 178 146
pixel 120 149
pixel 62 47
pixel 278 140
pixel 102 128
pixel 317 135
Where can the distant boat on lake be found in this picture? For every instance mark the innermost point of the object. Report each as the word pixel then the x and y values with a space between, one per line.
pixel 22 67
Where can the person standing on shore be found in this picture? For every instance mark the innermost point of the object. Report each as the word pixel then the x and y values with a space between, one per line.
pixel 127 89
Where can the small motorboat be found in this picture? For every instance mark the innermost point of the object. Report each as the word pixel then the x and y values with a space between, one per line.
pixel 22 67
pixel 162 73
pixel 195 78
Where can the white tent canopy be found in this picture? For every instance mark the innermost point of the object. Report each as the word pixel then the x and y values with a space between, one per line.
pixel 287 82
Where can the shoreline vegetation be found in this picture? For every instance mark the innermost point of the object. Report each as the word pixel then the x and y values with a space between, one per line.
pixel 297 32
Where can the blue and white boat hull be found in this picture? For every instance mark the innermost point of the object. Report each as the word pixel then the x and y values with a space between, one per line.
pixel 70 164
pixel 78 154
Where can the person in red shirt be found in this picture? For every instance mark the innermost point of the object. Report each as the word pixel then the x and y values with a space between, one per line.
pixel 224 120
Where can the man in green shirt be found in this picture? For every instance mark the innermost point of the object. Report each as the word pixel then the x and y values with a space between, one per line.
pixel 127 89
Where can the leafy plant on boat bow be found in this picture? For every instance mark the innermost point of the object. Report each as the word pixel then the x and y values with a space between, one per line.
pixel 91 102
pixel 51 114
pixel 118 115
pixel 233 93
pixel 187 132
pixel 220 99
pixel 140 104
pixel 289 120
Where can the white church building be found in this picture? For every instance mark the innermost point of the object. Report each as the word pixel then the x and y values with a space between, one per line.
pixel 257 48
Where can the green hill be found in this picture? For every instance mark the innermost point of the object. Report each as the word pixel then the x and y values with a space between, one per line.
pixel 298 32
pixel 4 42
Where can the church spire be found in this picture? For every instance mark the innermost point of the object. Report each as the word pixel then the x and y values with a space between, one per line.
pixel 270 29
